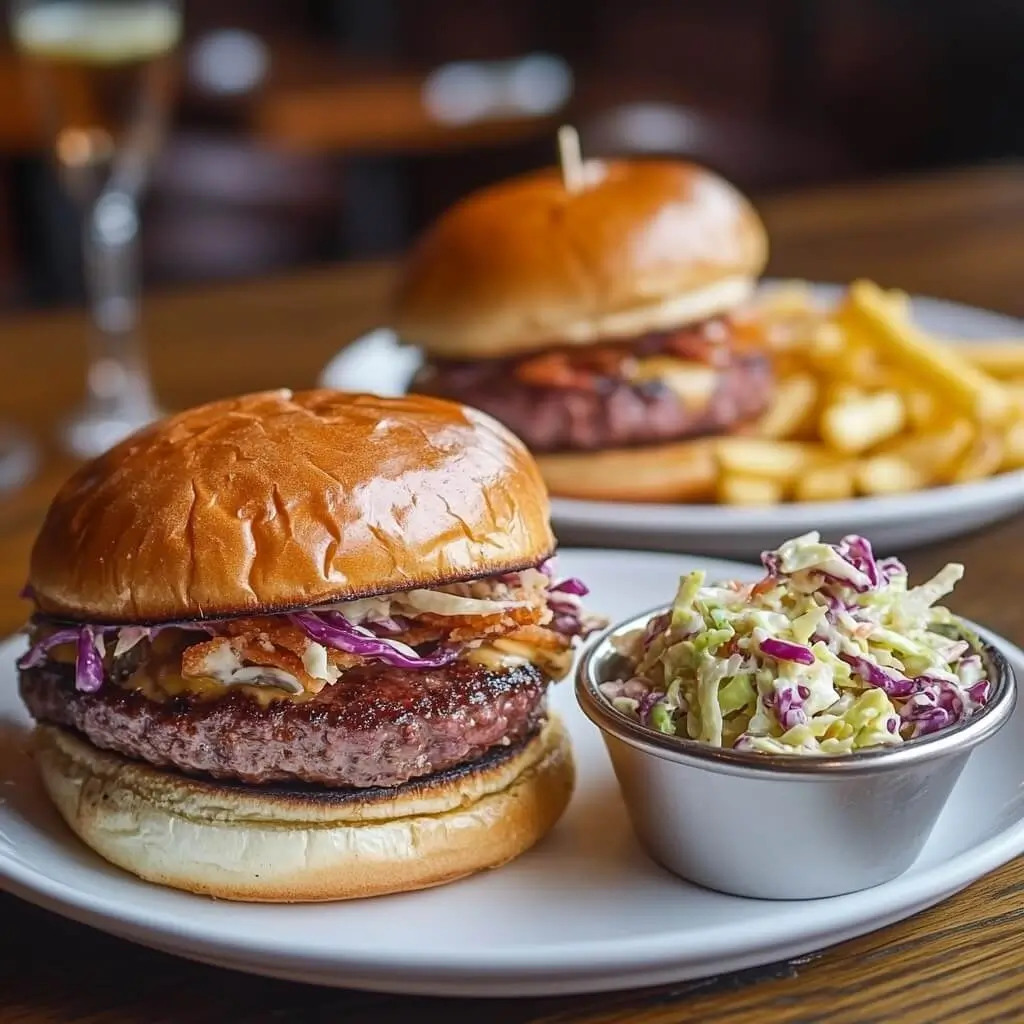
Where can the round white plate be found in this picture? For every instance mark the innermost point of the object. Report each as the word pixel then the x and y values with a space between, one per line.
pixel 583 911
pixel 376 362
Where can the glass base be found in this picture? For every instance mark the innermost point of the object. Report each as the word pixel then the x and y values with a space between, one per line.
pixel 19 458
pixel 95 429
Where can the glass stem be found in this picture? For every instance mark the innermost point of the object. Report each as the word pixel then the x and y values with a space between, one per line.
pixel 118 383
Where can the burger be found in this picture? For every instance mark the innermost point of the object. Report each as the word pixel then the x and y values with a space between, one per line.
pixel 292 647
pixel 596 322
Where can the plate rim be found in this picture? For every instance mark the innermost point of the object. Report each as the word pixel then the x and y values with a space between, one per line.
pixel 543 963
pixel 715 518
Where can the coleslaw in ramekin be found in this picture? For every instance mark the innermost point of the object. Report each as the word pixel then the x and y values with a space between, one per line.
pixel 830 653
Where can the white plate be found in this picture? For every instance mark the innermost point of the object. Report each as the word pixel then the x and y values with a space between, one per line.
pixel 584 911
pixel 375 362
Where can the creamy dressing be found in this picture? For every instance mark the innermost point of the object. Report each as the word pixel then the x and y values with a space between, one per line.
pixel 163 682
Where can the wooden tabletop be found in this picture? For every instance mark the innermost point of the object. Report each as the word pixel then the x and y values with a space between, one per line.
pixel 957 235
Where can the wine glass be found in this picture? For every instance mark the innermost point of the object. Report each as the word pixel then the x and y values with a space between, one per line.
pixel 103 75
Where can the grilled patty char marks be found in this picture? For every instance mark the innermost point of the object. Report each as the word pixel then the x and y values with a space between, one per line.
pixel 376 726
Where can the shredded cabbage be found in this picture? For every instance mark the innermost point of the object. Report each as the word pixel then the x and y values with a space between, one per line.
pixel 830 653
pixel 36 654
pixel 367 627
pixel 333 630
pixel 386 607
pixel 90 647
pixel 88 641
pixel 129 637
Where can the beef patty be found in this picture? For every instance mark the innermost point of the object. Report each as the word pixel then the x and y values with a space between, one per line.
pixel 376 726
pixel 591 399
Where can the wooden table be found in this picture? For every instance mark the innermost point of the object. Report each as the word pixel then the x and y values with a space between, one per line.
pixel 958 235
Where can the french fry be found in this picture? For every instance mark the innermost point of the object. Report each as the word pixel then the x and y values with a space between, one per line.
pixel 826 346
pixel 1002 359
pixel 838 356
pixel 765 459
pixel 830 481
pixel 1015 389
pixel 859 365
pixel 737 489
pixel 888 474
pixel 944 369
pixel 869 403
pixel 924 409
pixel 792 408
pixel 855 426
pixel 982 458
pixel 899 303
pixel 1013 447
pixel 935 452
pixel 839 392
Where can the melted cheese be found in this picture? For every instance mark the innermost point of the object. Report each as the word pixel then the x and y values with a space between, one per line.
pixel 503 653
pixel 66 654
pixel 692 382
pixel 167 684
pixel 490 657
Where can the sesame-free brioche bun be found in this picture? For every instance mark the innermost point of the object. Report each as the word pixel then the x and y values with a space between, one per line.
pixel 275 846
pixel 645 245
pixel 683 471
pixel 278 500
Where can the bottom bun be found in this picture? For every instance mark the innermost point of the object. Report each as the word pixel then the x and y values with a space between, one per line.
pixel 303 844
pixel 682 471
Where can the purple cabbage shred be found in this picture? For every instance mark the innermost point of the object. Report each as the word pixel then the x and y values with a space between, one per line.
pixel 857 551
pixel 783 650
pixel 333 630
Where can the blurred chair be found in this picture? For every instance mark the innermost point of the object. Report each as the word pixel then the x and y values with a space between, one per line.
pixel 381 120
pixel 755 154
pixel 223 207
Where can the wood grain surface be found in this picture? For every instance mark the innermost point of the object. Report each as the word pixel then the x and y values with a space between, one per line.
pixel 959 235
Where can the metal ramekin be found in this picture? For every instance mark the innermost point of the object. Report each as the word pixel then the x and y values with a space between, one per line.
pixel 782 826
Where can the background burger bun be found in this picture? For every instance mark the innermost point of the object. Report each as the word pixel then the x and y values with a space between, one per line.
pixel 645 245
pixel 683 471
pixel 279 500
pixel 244 843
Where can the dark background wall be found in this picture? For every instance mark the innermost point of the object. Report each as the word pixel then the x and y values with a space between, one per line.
pixel 328 156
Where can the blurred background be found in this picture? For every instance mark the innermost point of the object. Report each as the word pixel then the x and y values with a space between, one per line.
pixel 316 130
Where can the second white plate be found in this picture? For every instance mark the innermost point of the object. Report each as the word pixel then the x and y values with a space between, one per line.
pixel 377 363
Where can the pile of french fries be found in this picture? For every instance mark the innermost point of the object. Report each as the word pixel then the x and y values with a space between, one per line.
pixel 868 404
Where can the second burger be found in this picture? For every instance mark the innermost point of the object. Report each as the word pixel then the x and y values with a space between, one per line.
pixel 595 321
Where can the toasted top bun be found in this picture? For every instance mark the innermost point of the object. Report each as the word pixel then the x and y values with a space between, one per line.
pixel 279 500
pixel 645 245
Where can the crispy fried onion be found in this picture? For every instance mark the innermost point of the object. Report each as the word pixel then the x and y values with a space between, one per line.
pixel 271 650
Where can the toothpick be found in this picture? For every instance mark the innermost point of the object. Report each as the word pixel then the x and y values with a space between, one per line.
pixel 570 159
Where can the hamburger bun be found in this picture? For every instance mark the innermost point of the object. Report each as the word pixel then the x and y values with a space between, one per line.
pixel 525 264
pixel 268 845
pixel 278 500
pixel 683 471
